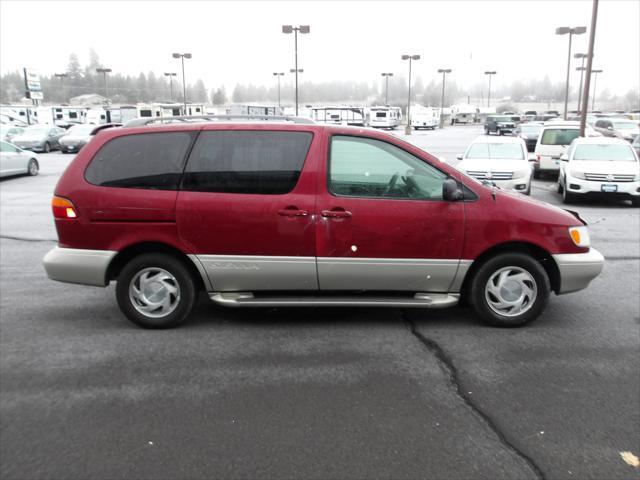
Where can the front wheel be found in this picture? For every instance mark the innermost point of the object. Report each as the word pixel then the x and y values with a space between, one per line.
pixel 47 147
pixel 156 290
pixel 510 290
pixel 635 201
pixel 567 197
pixel 33 167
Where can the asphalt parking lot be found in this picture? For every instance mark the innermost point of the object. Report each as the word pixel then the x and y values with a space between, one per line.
pixel 315 393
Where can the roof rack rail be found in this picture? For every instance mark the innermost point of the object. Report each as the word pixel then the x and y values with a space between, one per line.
pixel 138 122
pixel 104 126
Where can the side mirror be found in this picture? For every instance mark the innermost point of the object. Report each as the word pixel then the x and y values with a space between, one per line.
pixel 564 157
pixel 450 190
pixel 609 127
pixel 459 156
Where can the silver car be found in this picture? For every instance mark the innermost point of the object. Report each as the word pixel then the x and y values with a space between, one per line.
pixel 39 138
pixel 15 161
pixel 7 132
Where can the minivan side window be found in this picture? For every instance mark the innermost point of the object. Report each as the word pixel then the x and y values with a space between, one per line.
pixel 559 136
pixel 365 167
pixel 248 162
pixel 149 160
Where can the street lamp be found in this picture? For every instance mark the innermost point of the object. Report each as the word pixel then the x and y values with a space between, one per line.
pixel 170 75
pixel 62 76
pixel 571 32
pixel 182 56
pixel 490 73
pixel 104 72
pixel 581 69
pixel 595 79
pixel 444 72
pixel 278 75
pixel 386 90
pixel 407 129
pixel 291 29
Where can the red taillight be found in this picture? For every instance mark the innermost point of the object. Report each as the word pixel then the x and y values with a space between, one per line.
pixel 63 208
pixel 538 157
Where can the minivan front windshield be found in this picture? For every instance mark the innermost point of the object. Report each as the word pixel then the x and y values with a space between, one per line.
pixel 603 152
pixel 500 151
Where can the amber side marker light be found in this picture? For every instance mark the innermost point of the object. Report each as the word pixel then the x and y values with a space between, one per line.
pixel 63 208
pixel 580 236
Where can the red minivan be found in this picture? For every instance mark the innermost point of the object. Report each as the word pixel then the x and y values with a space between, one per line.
pixel 285 213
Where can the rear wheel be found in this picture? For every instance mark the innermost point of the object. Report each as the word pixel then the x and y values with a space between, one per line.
pixel 510 290
pixel 155 290
pixel 33 167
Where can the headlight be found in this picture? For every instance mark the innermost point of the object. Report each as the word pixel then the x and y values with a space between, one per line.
pixel 576 174
pixel 580 236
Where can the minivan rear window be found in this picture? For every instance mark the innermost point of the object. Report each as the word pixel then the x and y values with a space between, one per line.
pixel 559 136
pixel 258 162
pixel 149 160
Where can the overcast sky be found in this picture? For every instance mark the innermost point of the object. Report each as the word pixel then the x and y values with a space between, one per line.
pixel 241 42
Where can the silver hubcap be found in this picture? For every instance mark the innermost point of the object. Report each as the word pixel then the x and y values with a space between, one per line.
pixel 33 168
pixel 511 291
pixel 154 292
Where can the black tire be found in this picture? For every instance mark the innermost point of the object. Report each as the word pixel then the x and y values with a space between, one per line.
pixel 559 187
pixel 500 132
pixel 47 147
pixel 528 191
pixel 567 197
pixel 635 201
pixel 33 167
pixel 482 276
pixel 174 267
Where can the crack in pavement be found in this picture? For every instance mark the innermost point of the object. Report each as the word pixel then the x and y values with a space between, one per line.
pixel 447 366
pixel 26 239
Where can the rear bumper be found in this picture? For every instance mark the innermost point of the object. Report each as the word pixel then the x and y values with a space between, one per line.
pixel 578 269
pixel 72 265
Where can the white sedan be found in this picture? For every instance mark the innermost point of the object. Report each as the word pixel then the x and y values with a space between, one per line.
pixel 15 161
pixel 501 160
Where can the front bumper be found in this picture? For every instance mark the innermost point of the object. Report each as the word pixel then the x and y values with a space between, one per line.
pixel 76 147
pixel 578 269
pixel 622 189
pixel 73 265
pixel 516 184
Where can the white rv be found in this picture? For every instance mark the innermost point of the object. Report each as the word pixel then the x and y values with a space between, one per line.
pixel 384 117
pixel 424 117
pixel 464 113
pixel 340 115
pixel 253 109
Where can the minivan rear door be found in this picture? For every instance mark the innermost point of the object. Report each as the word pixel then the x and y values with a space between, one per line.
pixel 246 207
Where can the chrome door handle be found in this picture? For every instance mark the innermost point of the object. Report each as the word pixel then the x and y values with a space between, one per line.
pixel 335 213
pixel 292 212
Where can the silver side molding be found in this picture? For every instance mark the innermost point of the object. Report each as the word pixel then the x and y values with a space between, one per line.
pixel 419 300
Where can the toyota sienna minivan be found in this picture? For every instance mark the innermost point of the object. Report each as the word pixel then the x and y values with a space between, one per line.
pixel 286 213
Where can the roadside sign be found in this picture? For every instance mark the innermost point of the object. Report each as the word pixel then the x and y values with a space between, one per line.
pixel 32 84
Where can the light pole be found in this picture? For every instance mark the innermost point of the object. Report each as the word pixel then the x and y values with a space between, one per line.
pixel 278 75
pixel 104 72
pixel 170 75
pixel 490 73
pixel 595 79
pixel 62 76
pixel 182 56
pixel 407 129
pixel 581 69
pixel 386 76
pixel 571 32
pixel 444 72
pixel 291 29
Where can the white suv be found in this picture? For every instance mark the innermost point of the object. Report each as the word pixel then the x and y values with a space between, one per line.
pixel 600 165
pixel 501 160
pixel 554 139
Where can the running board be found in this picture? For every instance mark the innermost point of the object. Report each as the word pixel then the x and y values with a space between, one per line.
pixel 419 300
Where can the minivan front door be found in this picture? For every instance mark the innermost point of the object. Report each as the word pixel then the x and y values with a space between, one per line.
pixel 383 224
pixel 246 209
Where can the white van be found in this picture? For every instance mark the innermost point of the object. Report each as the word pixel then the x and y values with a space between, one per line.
pixel 603 166
pixel 554 140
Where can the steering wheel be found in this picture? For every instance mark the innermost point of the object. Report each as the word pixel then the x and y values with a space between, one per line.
pixel 391 184
pixel 412 186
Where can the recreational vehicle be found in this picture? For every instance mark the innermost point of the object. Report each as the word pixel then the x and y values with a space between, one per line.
pixel 384 117
pixel 355 116
pixel 424 117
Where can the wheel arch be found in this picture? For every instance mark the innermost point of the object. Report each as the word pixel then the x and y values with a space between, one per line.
pixel 540 254
pixel 131 251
